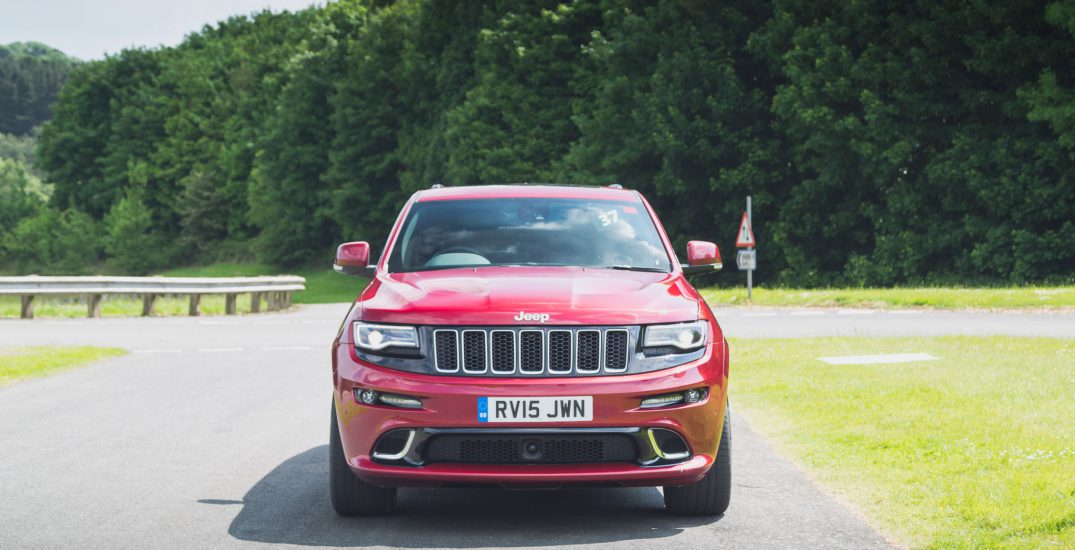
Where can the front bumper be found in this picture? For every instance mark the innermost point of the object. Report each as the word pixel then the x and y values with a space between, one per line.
pixel 450 403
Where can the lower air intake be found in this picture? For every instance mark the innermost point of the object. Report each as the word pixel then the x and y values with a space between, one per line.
pixel 526 449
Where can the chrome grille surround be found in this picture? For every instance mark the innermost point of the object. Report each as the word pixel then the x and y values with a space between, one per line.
pixel 532 351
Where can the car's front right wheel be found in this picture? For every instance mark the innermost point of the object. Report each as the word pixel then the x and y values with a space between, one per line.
pixel 352 496
pixel 710 495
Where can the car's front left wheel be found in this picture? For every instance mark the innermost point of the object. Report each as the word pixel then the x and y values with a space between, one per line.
pixel 709 496
pixel 352 496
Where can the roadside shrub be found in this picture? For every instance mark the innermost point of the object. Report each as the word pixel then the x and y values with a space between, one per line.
pixel 52 242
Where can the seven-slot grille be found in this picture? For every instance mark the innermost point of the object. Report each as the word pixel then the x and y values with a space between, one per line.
pixel 554 351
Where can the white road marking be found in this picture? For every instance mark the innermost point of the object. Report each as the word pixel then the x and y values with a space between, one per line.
pixel 806 313
pixel 272 322
pixel 878 359
pixel 157 350
pixel 856 312
pixel 906 312
pixel 218 322
pixel 287 348
pixel 215 350
pixel 759 315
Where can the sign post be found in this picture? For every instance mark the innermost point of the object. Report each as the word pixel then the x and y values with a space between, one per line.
pixel 747 259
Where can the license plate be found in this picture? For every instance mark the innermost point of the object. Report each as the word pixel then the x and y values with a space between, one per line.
pixel 535 409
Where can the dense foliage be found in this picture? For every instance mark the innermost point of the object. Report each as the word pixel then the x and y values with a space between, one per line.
pixel 883 143
pixel 31 76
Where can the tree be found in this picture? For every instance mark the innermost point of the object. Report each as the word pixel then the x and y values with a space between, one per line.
pixel 130 241
pixel 31 75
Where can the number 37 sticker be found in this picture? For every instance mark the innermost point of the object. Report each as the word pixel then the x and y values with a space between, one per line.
pixel 609 218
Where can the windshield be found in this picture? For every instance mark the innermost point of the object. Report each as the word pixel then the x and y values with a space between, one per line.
pixel 530 232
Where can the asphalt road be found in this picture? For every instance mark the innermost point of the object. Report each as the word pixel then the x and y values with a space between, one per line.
pixel 212 434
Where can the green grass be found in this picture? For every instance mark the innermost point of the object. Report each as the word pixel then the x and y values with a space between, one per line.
pixel 322 286
pixel 941 298
pixel 18 364
pixel 974 450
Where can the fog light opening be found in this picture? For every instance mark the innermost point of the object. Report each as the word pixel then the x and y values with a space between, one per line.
pixel 371 397
pixel 688 397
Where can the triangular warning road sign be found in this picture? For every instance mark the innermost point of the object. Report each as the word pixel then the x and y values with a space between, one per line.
pixel 745 238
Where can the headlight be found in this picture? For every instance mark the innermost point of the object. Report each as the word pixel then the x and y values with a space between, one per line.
pixel 684 336
pixel 378 337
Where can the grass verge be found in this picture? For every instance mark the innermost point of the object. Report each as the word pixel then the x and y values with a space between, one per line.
pixel 18 364
pixel 940 298
pixel 976 449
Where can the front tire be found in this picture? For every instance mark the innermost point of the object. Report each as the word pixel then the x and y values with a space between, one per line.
pixel 352 496
pixel 711 495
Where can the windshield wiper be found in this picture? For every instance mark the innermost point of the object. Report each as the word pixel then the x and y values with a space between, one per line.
pixel 635 268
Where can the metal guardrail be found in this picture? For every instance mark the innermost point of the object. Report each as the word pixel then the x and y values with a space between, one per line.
pixel 276 290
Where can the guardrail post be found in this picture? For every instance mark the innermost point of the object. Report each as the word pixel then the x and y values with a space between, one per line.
pixel 287 299
pixel 148 300
pixel 274 301
pixel 255 302
pixel 195 305
pixel 229 304
pixel 27 310
pixel 93 305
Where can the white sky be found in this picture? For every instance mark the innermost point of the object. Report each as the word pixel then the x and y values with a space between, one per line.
pixel 88 29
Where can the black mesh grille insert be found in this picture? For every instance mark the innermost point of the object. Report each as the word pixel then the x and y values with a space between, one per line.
pixel 474 350
pixel 616 350
pixel 559 351
pixel 588 358
pixel 391 443
pixel 531 351
pixel 531 449
pixel 447 350
pixel 503 351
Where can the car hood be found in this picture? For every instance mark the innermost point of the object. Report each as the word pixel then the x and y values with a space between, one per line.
pixel 499 295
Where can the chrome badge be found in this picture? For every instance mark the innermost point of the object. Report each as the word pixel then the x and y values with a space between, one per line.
pixel 539 317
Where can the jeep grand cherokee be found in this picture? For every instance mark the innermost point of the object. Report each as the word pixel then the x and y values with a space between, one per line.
pixel 529 336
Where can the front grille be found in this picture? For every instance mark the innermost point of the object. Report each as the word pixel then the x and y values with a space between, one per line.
pixel 532 351
pixel 531 449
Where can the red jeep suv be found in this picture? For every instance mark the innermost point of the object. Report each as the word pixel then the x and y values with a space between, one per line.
pixel 529 336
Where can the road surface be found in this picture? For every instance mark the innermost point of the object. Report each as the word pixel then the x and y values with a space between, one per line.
pixel 212 434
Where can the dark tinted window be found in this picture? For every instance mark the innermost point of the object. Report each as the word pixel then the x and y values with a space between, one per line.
pixel 527 231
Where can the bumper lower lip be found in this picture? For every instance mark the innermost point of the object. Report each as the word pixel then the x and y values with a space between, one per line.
pixel 625 475
pixel 649 452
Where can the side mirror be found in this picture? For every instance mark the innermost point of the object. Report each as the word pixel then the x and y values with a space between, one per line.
pixel 353 258
pixel 702 257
